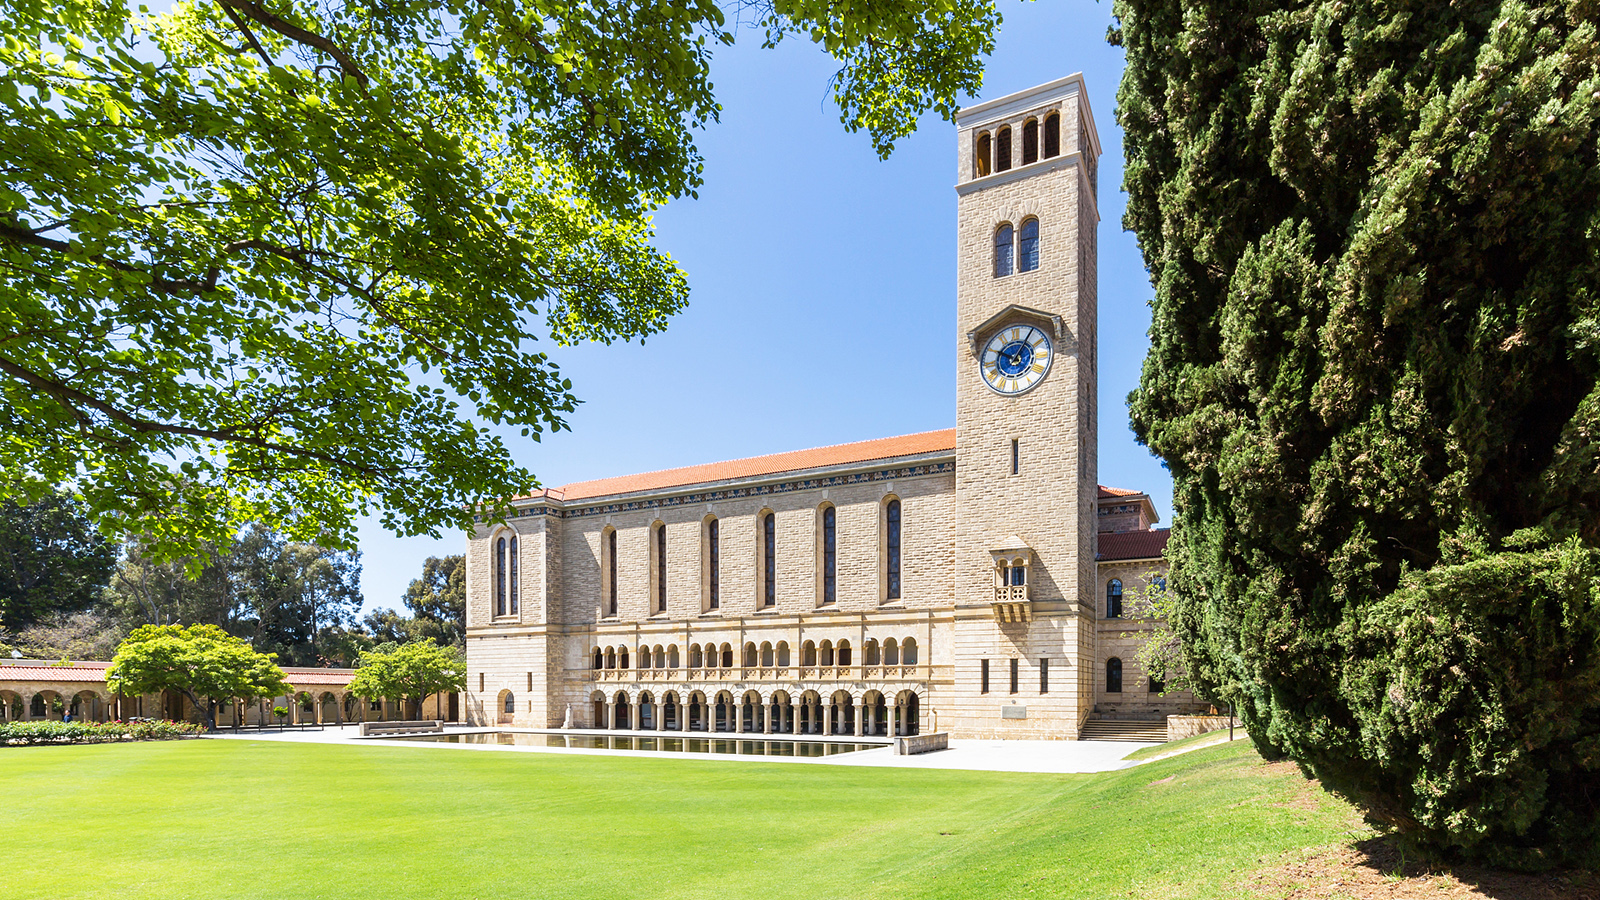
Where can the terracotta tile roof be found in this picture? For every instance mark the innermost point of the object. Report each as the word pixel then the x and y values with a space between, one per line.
pixel 796 460
pixel 1133 544
pixel 92 672
pixel 303 677
pixel 1109 493
pixel 39 670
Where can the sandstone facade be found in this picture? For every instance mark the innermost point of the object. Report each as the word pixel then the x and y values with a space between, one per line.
pixel 946 580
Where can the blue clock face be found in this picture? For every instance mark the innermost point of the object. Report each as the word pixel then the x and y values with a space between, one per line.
pixel 1015 359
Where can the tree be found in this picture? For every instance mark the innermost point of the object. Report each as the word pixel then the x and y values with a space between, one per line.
pixel 273 260
pixel 91 634
pixel 295 600
pixel 410 672
pixel 438 600
pixel 1160 650
pixel 198 661
pixel 1374 235
pixel 52 560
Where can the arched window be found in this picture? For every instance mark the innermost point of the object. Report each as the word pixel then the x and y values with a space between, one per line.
pixel 980 156
pixel 891 652
pixel 672 656
pixel 1003 251
pixel 499 577
pixel 661 657
pixel 1113 676
pixel 661 568
pixel 1028 246
pixel 767 658
pixel 1114 599
pixel 611 572
pixel 1052 135
pixel 599 659
pixel 611 657
pixel 908 652
pixel 892 526
pixel 750 654
pixel 825 654
pixel 511 575
pixel 727 656
pixel 1157 685
pixel 830 554
pixel 1019 574
pixel 713 565
pixel 869 653
pixel 808 654
pixel 622 657
pixel 769 559
pixel 1030 141
pixel 844 653
pixel 511 703
pixel 695 657
pixel 1002 150
pixel 644 657
pixel 783 653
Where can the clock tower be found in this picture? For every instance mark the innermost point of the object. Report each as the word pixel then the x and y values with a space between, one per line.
pixel 1026 479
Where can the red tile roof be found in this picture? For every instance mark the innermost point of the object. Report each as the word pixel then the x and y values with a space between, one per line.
pixel 756 466
pixel 1134 544
pixel 92 672
pixel 39 670
pixel 927 442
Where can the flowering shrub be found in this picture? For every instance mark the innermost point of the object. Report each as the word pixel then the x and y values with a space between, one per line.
pixel 33 733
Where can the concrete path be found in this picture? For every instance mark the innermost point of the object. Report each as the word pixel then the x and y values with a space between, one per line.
pixel 1053 757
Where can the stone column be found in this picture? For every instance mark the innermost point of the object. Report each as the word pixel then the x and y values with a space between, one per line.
pixel 766 718
pixel 860 716
pixel 611 716
pixel 633 715
pixel 827 718
pixel 661 716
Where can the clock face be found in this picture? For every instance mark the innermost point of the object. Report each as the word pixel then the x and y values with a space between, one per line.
pixel 1015 359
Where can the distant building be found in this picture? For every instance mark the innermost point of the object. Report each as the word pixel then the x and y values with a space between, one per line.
pixel 976 580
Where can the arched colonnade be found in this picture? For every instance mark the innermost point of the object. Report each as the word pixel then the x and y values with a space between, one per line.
pixel 840 713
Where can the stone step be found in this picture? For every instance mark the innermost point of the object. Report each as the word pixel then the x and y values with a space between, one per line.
pixel 1124 730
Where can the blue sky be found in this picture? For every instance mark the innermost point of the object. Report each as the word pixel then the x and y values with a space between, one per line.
pixel 822 280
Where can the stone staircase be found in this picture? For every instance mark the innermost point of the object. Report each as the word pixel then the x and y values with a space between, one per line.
pixel 1146 730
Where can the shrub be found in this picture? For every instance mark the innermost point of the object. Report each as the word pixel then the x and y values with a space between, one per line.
pixel 29 734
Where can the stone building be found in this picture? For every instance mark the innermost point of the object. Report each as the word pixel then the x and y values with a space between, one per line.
pixel 955 580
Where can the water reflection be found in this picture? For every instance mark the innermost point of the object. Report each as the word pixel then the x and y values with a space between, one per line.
pixel 729 745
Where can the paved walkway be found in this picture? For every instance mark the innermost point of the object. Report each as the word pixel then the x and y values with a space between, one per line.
pixel 987 756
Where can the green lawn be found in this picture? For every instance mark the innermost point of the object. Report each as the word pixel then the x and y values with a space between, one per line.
pixel 217 819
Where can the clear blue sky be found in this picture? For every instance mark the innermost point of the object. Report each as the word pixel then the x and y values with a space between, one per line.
pixel 822 280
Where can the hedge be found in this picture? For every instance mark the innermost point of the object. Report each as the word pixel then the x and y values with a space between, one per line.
pixel 27 734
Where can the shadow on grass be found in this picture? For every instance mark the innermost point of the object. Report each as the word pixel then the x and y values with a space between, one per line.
pixel 1378 869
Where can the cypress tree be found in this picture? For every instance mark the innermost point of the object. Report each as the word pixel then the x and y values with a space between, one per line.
pixel 1373 233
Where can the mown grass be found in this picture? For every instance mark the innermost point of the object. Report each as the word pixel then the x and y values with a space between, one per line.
pixel 1183 745
pixel 220 819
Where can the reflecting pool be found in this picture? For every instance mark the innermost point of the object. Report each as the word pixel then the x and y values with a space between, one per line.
pixel 743 746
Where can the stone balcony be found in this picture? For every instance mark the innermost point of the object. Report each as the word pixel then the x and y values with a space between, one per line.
pixel 1011 603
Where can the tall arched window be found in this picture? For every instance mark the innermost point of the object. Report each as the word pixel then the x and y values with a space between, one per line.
pixel 981 155
pixel 1030 141
pixel 1028 246
pixel 511 575
pixel 892 525
pixel 1113 676
pixel 1114 599
pixel 769 559
pixel 830 554
pixel 661 568
pixel 511 703
pixel 611 579
pixel 1052 135
pixel 500 577
pixel 1002 150
pixel 599 658
pixel 1003 250
pixel 713 565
